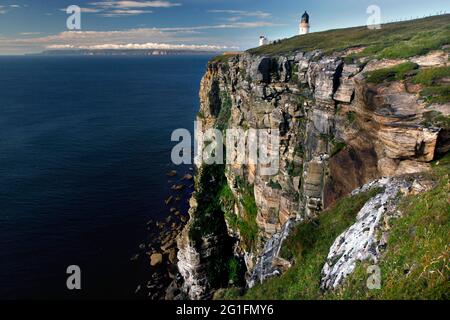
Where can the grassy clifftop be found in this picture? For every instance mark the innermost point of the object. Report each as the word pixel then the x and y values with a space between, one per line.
pixel 393 40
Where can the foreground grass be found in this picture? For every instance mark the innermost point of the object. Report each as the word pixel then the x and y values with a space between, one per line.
pixel 436 90
pixel 245 225
pixel 308 246
pixel 435 87
pixel 395 73
pixel 415 265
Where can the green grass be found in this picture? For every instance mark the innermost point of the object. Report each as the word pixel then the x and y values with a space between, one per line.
pixel 436 119
pixel 274 185
pixel 308 246
pixel 294 170
pixel 393 40
pixel 351 117
pixel 429 76
pixel 225 112
pixel 394 73
pixel 416 265
pixel 246 225
pixel 420 44
pixel 223 58
pixel 208 218
pixel 436 94
pixel 434 91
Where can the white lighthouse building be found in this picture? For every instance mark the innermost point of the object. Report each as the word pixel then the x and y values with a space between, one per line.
pixel 263 41
pixel 304 24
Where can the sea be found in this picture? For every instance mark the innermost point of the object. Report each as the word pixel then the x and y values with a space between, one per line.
pixel 85 145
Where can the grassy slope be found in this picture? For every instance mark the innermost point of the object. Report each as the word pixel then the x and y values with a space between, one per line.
pixel 415 265
pixel 395 40
pixel 308 245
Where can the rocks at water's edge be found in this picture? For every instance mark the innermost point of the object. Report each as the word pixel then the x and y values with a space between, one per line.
pixel 155 259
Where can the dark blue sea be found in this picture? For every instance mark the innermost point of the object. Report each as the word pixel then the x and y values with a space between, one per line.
pixel 84 151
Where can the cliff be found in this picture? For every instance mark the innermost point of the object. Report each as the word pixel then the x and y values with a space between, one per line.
pixel 358 114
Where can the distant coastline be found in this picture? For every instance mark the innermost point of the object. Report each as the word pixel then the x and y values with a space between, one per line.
pixel 120 52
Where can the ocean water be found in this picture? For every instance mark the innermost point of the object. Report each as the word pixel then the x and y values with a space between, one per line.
pixel 84 151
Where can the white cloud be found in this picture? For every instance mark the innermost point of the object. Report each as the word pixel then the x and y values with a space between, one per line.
pixel 135 4
pixel 125 8
pixel 239 14
pixel 85 10
pixel 148 46
pixel 6 8
pixel 29 33
pixel 136 37
pixel 125 12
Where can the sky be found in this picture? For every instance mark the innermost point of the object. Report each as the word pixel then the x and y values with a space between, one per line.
pixel 30 26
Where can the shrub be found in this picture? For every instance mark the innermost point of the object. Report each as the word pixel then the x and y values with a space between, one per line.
pixel 429 76
pixel 398 72
pixel 308 246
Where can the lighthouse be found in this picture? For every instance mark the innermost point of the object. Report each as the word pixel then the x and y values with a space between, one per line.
pixel 263 41
pixel 304 24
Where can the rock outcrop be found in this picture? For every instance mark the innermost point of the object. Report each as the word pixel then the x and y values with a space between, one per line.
pixel 366 239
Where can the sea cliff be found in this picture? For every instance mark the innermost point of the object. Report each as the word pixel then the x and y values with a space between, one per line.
pixel 362 113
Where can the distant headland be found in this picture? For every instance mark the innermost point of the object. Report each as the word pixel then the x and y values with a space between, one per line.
pixel 120 52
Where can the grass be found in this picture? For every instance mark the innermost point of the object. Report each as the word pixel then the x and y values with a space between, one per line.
pixel 416 265
pixel 394 73
pixel 434 91
pixel 223 58
pixel 393 40
pixel 429 76
pixel 436 119
pixel 246 225
pixel 418 45
pixel 294 170
pixel 308 246
pixel 209 220
pixel 351 117
pixel 336 147
pixel 274 185
pixel 225 112
pixel 436 94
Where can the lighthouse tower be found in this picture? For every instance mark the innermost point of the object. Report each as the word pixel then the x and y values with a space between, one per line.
pixel 263 41
pixel 304 24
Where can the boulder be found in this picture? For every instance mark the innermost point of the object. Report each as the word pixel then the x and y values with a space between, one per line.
pixel 156 259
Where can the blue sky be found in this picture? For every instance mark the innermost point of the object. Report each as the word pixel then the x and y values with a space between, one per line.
pixel 34 25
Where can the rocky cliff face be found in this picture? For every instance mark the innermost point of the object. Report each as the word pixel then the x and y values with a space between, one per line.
pixel 338 133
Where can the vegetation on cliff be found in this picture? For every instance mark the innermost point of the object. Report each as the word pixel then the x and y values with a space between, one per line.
pixel 308 246
pixel 246 224
pixel 435 89
pixel 393 40
pixel 415 265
